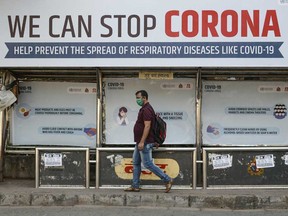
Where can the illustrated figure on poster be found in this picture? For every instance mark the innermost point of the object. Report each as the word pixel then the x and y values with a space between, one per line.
pixel 144 138
pixel 214 130
pixel 280 111
pixel 122 116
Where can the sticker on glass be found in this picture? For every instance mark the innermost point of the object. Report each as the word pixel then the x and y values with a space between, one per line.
pixel 53 160
pixel 265 161
pixel 221 161
pixel 285 158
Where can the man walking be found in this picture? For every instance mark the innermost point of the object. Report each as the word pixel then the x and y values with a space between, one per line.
pixel 144 138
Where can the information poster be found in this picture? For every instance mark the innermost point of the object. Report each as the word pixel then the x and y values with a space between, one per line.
pixel 245 113
pixel 55 113
pixel 173 99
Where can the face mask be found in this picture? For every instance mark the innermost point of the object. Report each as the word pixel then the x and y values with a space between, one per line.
pixel 139 101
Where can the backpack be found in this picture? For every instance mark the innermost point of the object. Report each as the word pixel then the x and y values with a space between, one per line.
pixel 159 130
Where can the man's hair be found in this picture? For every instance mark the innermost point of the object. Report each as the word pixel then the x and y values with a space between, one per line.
pixel 143 93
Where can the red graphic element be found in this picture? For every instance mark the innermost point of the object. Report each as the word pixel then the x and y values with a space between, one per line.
pixel 129 169
pixel 218 24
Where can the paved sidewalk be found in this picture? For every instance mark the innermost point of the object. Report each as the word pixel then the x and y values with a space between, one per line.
pixel 24 193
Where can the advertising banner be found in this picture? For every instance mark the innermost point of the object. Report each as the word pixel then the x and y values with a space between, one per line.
pixel 55 113
pixel 173 99
pixel 244 113
pixel 144 33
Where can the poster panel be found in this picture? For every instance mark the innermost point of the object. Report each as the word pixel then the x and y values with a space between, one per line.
pixel 55 113
pixel 116 167
pixel 137 33
pixel 62 167
pixel 244 113
pixel 261 167
pixel 173 99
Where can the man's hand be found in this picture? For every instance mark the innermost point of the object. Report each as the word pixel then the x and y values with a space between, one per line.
pixel 140 146
pixel 156 145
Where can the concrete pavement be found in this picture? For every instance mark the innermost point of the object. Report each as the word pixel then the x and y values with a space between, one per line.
pixel 24 193
pixel 130 211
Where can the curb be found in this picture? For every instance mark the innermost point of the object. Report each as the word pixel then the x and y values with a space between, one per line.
pixel 233 202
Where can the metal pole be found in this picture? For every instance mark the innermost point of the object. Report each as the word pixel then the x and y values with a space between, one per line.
pixel 198 113
pixel 204 169
pixel 37 168
pixel 199 169
pixel 194 169
pixel 97 168
pixel 87 168
pixel 1 145
pixel 99 123
pixel 99 108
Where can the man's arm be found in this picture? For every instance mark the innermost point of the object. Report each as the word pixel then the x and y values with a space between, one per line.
pixel 147 126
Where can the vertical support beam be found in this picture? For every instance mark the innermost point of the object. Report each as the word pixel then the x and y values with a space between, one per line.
pixel 194 169
pixel 99 108
pixel 97 168
pixel 99 122
pixel 198 113
pixel 198 124
pixel 2 115
pixel 1 144
pixel 87 169
pixel 204 169
pixel 37 174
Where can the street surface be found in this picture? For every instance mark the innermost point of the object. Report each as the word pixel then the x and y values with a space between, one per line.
pixel 130 211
